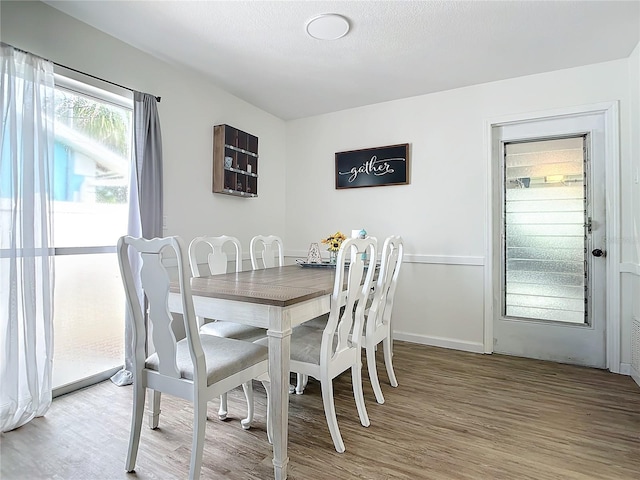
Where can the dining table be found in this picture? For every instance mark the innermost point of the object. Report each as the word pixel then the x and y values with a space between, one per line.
pixel 277 299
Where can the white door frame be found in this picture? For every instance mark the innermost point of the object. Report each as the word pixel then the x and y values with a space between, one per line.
pixel 612 210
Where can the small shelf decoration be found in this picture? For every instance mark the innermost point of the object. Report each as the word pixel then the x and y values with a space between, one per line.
pixel 333 243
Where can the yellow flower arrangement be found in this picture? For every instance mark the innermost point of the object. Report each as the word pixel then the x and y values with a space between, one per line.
pixel 334 241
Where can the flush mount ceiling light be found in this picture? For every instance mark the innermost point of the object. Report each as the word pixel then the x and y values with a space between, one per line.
pixel 328 26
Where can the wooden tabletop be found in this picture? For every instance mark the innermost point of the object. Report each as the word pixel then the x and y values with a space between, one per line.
pixel 279 286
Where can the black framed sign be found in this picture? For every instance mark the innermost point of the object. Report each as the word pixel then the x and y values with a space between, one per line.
pixel 373 167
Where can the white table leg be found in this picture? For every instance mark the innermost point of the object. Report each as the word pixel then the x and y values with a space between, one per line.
pixel 279 351
pixel 154 409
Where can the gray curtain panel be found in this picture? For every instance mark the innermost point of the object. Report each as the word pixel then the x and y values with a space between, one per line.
pixel 145 199
pixel 147 142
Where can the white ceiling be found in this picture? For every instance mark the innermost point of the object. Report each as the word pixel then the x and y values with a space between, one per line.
pixel 260 52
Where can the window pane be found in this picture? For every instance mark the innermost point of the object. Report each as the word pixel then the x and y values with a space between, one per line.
pixel 544 230
pixel 88 317
pixel 91 170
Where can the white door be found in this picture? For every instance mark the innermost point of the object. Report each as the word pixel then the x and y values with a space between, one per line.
pixel 549 240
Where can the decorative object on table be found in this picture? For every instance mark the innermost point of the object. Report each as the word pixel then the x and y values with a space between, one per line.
pixel 373 167
pixel 333 243
pixel 303 263
pixel 363 234
pixel 314 254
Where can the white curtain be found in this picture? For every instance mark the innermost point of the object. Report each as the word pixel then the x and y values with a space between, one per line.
pixel 26 253
pixel 145 201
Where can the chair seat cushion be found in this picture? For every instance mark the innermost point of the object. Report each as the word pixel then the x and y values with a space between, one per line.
pixel 305 344
pixel 223 356
pixel 233 330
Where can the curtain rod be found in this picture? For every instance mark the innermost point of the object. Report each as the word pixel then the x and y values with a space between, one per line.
pixel 77 71
pixel 98 78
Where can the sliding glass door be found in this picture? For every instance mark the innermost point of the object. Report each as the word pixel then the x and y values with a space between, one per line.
pixel 92 160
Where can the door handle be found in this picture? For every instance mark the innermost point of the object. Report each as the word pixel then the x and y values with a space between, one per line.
pixel 598 253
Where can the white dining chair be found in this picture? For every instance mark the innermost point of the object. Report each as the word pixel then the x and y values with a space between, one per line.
pixel 197 368
pixel 266 251
pixel 325 354
pixel 216 249
pixel 378 316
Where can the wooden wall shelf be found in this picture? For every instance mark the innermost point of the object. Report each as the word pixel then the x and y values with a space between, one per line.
pixel 235 162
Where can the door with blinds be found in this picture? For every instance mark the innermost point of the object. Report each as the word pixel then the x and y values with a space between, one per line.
pixel 550 242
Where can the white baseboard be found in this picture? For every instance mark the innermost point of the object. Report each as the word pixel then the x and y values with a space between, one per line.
pixel 625 369
pixel 635 375
pixel 474 347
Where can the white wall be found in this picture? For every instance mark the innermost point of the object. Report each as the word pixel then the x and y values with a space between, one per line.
pixel 442 213
pixel 189 109
pixel 630 173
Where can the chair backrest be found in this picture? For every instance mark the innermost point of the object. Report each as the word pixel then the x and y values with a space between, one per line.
pixel 382 302
pixel 353 281
pixel 155 281
pixel 217 258
pixel 266 251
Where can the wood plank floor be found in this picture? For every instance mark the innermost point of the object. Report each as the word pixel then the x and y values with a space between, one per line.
pixel 455 415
